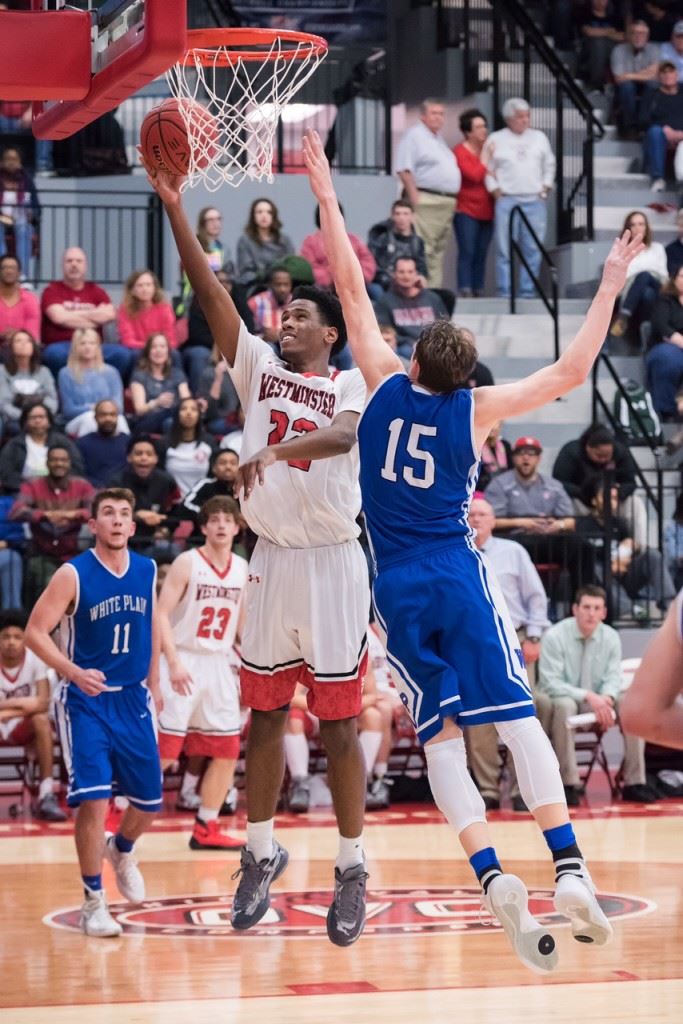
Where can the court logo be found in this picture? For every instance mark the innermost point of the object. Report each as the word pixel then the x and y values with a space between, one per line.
pixel 302 915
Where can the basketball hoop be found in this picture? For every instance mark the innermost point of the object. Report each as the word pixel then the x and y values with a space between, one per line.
pixel 244 78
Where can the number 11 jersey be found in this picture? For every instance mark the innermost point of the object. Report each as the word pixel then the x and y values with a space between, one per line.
pixel 302 504
pixel 206 617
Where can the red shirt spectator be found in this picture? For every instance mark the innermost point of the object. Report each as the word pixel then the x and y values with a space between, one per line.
pixel 313 250
pixel 144 311
pixel 474 199
pixel 73 302
pixel 55 506
pixel 19 308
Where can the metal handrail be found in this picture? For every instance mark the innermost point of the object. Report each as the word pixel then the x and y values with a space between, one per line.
pixel 552 302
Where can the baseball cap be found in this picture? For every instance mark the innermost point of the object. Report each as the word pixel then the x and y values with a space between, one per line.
pixel 678 28
pixel 527 442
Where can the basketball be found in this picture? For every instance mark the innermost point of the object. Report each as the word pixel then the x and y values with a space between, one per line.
pixel 166 142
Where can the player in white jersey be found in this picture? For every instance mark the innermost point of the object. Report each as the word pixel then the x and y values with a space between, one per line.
pixel 308 593
pixel 199 612
pixel 24 705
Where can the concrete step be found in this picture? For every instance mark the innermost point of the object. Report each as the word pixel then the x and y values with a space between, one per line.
pixel 488 306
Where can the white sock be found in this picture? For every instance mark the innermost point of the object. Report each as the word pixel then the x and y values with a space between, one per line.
pixel 350 853
pixel 206 814
pixel 370 742
pixel 47 787
pixel 189 785
pixel 260 839
pixel 380 769
pixel 120 803
pixel 296 754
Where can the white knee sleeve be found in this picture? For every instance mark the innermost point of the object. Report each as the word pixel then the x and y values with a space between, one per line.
pixel 455 794
pixel 538 772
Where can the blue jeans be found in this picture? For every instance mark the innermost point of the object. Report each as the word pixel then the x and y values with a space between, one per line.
pixel 11 576
pixel 664 365
pixel 655 146
pixel 118 356
pixel 23 245
pixel 474 237
pixel 641 296
pixel 43 146
pixel 537 213
pixel 195 359
pixel 633 99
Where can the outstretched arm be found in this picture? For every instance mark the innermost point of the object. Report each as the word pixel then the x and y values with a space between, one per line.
pixel 571 369
pixel 370 351
pixel 219 309
pixel 652 706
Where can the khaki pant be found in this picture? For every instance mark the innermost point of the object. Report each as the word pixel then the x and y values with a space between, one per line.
pixel 482 743
pixel 562 740
pixel 433 222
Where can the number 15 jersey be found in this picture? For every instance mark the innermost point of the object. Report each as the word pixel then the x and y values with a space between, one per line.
pixel 302 504
pixel 205 619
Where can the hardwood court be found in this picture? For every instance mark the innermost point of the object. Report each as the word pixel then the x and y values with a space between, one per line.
pixel 426 953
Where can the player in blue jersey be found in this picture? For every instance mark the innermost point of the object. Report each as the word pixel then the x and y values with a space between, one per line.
pixel 103 602
pixel 450 640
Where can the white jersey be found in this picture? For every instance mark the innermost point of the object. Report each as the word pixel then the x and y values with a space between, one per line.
pixel 22 681
pixel 206 617
pixel 301 504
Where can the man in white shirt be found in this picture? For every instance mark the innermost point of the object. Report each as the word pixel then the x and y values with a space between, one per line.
pixel 673 51
pixel 528 606
pixel 431 180
pixel 522 163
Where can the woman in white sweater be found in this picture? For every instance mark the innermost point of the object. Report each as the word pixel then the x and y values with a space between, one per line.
pixel 644 278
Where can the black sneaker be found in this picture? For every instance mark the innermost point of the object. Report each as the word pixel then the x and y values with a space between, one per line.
pixel 572 796
pixel 299 795
pixel 252 898
pixel 377 797
pixel 639 794
pixel 346 916
pixel 48 809
pixel 491 803
pixel 519 805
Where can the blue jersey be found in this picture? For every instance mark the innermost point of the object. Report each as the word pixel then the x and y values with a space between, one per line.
pixel 419 469
pixel 110 627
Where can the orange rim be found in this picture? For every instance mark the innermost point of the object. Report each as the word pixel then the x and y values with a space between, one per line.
pixel 216 46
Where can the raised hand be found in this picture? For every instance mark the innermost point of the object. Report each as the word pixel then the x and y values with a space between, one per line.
pixel 622 253
pixel 166 185
pixel 318 167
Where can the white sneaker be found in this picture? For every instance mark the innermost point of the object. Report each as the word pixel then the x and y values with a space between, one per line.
pixel 95 917
pixel 575 898
pixel 658 185
pixel 508 901
pixel 129 878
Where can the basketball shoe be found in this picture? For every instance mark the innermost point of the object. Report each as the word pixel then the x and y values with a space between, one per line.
pixel 575 898
pixel 95 917
pixel 346 916
pixel 207 836
pixel 508 901
pixel 299 795
pixel 188 802
pixel 129 878
pixel 252 898
pixel 229 805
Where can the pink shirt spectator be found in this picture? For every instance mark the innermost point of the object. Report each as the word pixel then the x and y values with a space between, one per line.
pixel 313 250
pixel 23 315
pixel 157 319
pixel 58 293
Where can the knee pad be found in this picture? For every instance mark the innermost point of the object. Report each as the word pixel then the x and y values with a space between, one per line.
pixel 538 772
pixel 455 794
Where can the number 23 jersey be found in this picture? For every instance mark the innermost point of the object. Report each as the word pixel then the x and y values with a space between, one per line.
pixel 302 504
pixel 206 617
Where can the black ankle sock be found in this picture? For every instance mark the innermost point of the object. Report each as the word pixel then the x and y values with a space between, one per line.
pixel 487 876
pixel 568 861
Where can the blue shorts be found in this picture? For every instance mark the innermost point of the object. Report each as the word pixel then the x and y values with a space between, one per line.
pixel 451 645
pixel 109 742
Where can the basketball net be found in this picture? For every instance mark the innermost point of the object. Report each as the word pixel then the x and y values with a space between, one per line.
pixel 245 92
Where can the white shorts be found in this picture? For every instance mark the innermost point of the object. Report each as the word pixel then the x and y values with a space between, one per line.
pixel 206 721
pixel 307 615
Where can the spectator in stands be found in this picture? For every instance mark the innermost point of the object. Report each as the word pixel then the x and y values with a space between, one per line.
pixel 390 239
pixel 313 250
pixel 595 453
pixel 528 606
pixel 639 573
pixel 473 219
pixel 76 302
pixel 196 352
pixel 262 243
pixel 25 456
pixel 55 506
pixel 12 545
pixel 24 706
pixel 209 227
pixel 223 469
pixel 664 360
pixel 644 277
pixel 23 380
pixel 674 250
pixel 673 543
pixel 634 67
pixel 580 670
pixel 600 26
pixel 218 391
pixel 660 16
pixel 156 387
pixel 431 182
pixel 144 310
pixel 84 381
pixel 19 207
pixel 496 457
pixel 104 450
pixel 536 511
pixel 267 306
pixel 562 19
pixel 523 164
pixel 19 308
pixel 664 128
pixel 188 449
pixel 673 50
pixel 17 116
pixel 155 493
pixel 408 306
